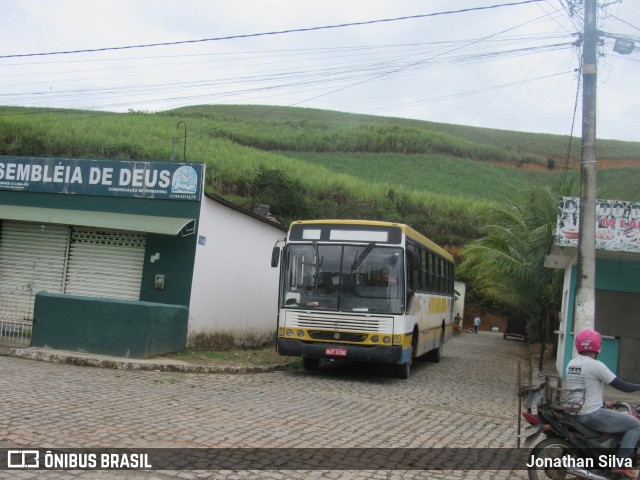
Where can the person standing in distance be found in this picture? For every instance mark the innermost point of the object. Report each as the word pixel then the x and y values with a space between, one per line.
pixel 476 322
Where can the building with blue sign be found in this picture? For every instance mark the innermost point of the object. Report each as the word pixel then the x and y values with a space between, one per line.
pixel 617 294
pixel 101 256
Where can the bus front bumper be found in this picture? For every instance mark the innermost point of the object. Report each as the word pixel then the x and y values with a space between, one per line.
pixel 383 354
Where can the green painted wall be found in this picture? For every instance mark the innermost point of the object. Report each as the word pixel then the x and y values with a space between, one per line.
pixel 569 337
pixel 618 275
pixel 134 206
pixel 177 256
pixel 108 327
pixel 614 275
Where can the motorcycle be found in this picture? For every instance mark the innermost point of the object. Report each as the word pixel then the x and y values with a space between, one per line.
pixel 569 450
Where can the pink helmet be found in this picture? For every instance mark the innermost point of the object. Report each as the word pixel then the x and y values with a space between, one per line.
pixel 588 341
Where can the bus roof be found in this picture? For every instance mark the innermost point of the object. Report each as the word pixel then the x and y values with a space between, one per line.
pixel 406 230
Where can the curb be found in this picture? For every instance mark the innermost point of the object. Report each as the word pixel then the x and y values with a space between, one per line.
pixel 122 364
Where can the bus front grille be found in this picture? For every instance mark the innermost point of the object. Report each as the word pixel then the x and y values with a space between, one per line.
pixel 342 336
pixel 334 322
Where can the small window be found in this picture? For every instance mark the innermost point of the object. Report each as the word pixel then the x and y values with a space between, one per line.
pixel 413 267
pixel 425 270
pixel 433 273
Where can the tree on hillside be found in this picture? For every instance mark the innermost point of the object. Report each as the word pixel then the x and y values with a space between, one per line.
pixel 508 262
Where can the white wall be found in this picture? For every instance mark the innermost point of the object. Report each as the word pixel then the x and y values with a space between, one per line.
pixel 458 305
pixel 234 292
pixel 564 320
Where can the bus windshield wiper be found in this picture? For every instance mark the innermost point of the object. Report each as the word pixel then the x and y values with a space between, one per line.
pixel 360 258
pixel 317 265
pixel 317 260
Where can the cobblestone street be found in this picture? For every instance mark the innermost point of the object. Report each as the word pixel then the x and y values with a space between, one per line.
pixel 466 400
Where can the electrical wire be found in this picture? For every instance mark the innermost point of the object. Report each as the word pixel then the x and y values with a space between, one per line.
pixel 570 142
pixel 350 67
pixel 625 22
pixel 262 34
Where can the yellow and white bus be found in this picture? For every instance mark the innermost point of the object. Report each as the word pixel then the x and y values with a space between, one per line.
pixel 364 291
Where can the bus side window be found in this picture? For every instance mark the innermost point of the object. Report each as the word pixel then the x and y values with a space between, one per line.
pixel 424 271
pixel 432 272
pixel 413 269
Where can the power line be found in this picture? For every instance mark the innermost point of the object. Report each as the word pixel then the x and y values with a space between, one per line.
pixel 287 78
pixel 304 80
pixel 280 32
pixel 470 92
pixel 569 144
pixel 625 22
pixel 381 75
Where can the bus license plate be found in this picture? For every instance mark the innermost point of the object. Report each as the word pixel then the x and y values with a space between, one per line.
pixel 336 352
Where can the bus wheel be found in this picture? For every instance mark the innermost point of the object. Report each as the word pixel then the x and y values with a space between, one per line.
pixel 402 370
pixel 310 363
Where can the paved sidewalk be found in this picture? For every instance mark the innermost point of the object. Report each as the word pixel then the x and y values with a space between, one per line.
pixel 161 364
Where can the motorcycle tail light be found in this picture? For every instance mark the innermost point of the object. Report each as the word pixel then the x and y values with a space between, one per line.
pixel 531 419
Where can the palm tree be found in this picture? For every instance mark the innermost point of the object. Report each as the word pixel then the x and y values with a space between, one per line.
pixel 508 263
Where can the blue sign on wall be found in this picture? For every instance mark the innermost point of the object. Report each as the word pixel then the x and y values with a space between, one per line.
pixel 166 180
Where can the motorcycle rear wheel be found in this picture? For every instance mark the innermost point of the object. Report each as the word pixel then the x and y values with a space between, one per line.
pixel 551 448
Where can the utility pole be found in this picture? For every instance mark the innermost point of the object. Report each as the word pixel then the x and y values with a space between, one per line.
pixel 585 305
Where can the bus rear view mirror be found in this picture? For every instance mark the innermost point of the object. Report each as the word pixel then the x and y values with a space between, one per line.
pixel 275 256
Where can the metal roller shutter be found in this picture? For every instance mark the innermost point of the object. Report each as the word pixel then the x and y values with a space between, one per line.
pixel 32 259
pixel 105 264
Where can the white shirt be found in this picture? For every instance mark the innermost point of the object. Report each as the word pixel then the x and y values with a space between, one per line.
pixel 591 375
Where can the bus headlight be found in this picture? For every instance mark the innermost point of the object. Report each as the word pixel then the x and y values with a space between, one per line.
pixel 386 339
pixel 300 333
pixel 375 339
pixel 289 333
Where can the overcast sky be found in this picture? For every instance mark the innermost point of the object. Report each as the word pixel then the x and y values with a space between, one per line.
pixel 509 67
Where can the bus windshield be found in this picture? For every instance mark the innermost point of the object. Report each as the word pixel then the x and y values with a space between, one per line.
pixel 353 278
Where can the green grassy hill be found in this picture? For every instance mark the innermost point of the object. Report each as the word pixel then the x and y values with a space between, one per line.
pixel 442 179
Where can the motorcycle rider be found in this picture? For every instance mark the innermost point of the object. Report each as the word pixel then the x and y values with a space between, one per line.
pixel 586 372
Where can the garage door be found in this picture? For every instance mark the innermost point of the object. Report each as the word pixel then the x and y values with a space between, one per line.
pixel 105 264
pixel 32 259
